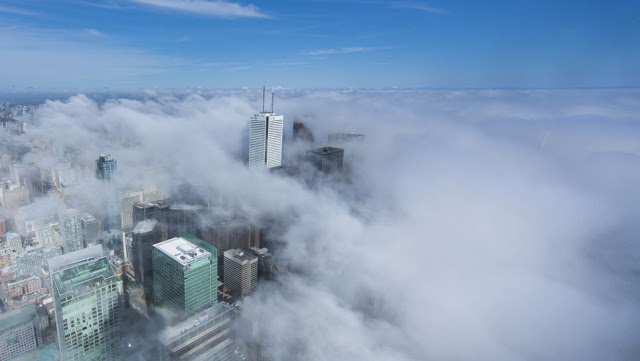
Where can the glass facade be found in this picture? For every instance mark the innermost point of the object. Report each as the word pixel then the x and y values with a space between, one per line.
pixel 87 308
pixel 184 286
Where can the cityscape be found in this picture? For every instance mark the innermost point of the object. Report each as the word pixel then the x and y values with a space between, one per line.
pixel 370 180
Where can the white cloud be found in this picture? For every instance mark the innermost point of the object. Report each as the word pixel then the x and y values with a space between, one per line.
pixel 346 50
pixel 419 6
pixel 457 239
pixel 94 32
pixel 18 11
pixel 217 8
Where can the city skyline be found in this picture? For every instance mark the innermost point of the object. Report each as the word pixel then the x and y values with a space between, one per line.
pixel 140 44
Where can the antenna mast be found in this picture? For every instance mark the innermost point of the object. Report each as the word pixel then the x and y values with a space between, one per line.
pixel 272 96
pixel 263 89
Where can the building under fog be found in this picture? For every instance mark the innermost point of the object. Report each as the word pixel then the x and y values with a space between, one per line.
pixel 106 167
pixel 184 274
pixel 90 227
pixel 71 230
pixel 87 304
pixel 265 139
pixel 144 236
pixel 326 159
pixel 207 335
pixel 240 272
pixel 19 332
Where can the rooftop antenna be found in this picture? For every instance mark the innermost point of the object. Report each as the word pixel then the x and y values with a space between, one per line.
pixel 263 89
pixel 272 96
pixel 544 140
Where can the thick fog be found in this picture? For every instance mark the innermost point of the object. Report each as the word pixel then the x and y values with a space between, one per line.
pixel 474 225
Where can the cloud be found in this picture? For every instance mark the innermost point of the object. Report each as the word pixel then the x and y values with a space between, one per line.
pixel 357 49
pixel 419 6
pixel 456 237
pixel 218 8
pixel 94 32
pixel 18 11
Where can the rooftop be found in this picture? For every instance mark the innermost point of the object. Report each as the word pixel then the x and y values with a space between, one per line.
pixel 240 256
pixel 181 250
pixel 80 278
pixel 87 217
pixel 16 317
pixel 326 150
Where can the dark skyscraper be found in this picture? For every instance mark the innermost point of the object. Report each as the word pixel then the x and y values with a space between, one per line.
pixel 301 133
pixel 326 159
pixel 106 167
pixel 144 236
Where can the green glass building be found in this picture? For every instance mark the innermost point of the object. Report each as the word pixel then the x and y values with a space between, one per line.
pixel 87 303
pixel 185 275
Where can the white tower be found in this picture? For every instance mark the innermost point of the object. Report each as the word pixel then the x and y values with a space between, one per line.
pixel 265 137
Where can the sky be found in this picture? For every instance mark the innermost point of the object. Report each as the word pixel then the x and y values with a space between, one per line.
pixel 477 225
pixel 137 44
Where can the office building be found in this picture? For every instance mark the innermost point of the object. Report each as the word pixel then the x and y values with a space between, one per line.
pixel 183 218
pixel 267 267
pixel 150 210
pixel 208 335
pixel 86 297
pixel 19 332
pixel 14 241
pixel 144 236
pixel 49 235
pixel 127 201
pixel 265 138
pixel 342 139
pixel 302 134
pixel 14 197
pixel 184 274
pixel 71 230
pixel 240 272
pixel 32 260
pixel 106 168
pixel 90 228
pixel 326 159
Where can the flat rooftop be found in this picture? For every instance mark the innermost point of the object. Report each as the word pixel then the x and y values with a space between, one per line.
pixel 181 250
pixel 240 256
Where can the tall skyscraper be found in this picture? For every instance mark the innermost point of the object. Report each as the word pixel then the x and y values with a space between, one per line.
pixel 240 272
pixel 326 159
pixel 71 229
pixel 144 236
pixel 19 332
pixel 184 274
pixel 106 167
pixel 86 298
pixel 265 138
pixel 90 228
pixel 106 170
pixel 207 335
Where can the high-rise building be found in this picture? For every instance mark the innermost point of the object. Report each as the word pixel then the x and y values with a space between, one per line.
pixel 14 241
pixel 127 201
pixel 90 227
pixel 86 298
pixel 71 230
pixel 265 139
pixel 228 233
pixel 19 332
pixel 342 139
pixel 106 167
pixel 267 267
pixel 144 236
pixel 184 274
pixel 302 134
pixel 32 260
pixel 207 335
pixel 326 159
pixel 240 272
pixel 183 218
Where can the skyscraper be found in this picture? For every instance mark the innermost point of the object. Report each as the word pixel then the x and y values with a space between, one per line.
pixel 184 274
pixel 86 298
pixel 106 170
pixel 19 332
pixel 265 138
pixel 144 236
pixel 240 272
pixel 71 229
pixel 89 226
pixel 207 335
pixel 106 167
pixel 326 159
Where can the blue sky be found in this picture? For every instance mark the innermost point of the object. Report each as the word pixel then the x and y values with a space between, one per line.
pixel 132 44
